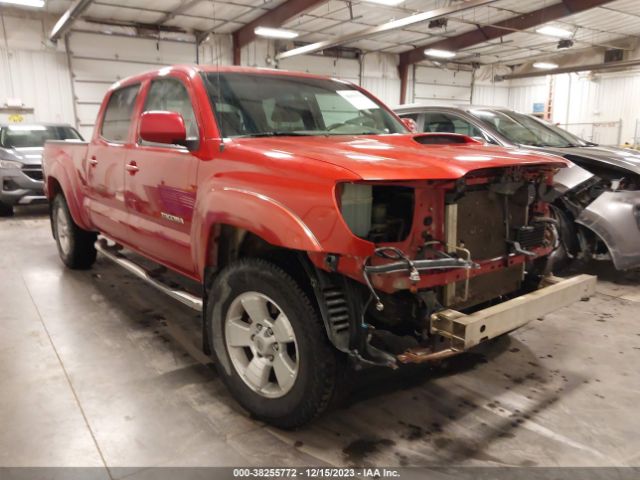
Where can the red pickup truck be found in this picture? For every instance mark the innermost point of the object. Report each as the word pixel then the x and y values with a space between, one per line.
pixel 321 232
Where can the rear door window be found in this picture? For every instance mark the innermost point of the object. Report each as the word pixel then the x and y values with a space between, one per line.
pixel 119 113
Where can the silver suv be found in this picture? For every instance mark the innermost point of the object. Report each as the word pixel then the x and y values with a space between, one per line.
pixel 21 179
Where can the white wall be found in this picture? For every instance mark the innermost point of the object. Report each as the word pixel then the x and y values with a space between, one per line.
pixel 604 99
pixel 29 71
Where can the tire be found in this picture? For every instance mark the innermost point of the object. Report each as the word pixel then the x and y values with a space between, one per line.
pixel 562 258
pixel 75 245
pixel 6 210
pixel 251 367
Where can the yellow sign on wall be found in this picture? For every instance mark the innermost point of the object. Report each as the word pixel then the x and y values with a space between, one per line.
pixel 16 118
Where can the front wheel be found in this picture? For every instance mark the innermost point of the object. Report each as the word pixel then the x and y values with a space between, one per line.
pixel 75 245
pixel 270 346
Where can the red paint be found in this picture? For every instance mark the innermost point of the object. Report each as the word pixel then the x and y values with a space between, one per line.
pixel 281 189
pixel 162 127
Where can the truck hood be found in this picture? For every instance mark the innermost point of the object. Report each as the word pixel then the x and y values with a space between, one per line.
pixel 623 158
pixel 26 156
pixel 397 157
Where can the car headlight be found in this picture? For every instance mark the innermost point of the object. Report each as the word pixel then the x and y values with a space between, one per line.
pixel 10 164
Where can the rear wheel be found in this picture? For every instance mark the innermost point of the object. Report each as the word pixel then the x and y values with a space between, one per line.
pixel 5 210
pixel 75 245
pixel 270 346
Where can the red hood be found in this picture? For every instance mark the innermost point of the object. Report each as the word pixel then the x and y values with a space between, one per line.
pixel 397 157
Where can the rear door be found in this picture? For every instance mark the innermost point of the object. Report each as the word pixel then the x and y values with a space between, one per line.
pixel 106 160
pixel 160 181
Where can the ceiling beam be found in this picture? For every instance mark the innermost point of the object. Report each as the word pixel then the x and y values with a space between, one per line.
pixel 274 18
pixel 386 27
pixel 183 7
pixel 622 65
pixel 65 22
pixel 503 28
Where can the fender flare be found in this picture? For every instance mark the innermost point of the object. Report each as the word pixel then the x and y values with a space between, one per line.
pixel 254 212
pixel 78 214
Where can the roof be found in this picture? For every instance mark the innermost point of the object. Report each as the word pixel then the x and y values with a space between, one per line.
pixel 191 69
pixel 466 107
pixel 38 124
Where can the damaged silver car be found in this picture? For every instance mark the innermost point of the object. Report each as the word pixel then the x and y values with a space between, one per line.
pixel 597 200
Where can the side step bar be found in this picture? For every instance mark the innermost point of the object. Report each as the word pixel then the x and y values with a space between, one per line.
pixel 112 252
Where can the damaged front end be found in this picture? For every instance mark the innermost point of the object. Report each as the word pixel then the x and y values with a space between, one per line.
pixel 450 264
pixel 606 208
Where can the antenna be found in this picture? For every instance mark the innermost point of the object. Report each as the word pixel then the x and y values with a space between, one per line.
pixel 218 49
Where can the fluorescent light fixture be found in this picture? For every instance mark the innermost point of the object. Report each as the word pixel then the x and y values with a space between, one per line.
pixel 389 3
pixel 25 3
pixel 554 31
pixel 274 32
pixel 545 65
pixel 434 52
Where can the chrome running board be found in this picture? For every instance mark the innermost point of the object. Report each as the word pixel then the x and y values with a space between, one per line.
pixel 112 252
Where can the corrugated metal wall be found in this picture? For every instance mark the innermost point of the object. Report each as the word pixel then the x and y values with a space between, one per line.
pixel 524 93
pixel 603 99
pixel 37 76
pixel 496 95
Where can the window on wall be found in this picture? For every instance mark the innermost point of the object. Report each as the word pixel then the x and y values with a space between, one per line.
pixel 117 116
pixel 170 95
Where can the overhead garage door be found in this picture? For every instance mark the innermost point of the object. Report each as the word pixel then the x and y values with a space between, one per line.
pixel 439 86
pixel 97 60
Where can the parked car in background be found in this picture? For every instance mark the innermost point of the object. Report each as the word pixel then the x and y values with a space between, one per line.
pixel 318 230
pixel 598 204
pixel 21 146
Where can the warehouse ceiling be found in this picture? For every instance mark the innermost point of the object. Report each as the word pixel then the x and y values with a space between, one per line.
pixel 606 25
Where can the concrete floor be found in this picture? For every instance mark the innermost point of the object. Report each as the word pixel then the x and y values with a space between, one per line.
pixel 97 369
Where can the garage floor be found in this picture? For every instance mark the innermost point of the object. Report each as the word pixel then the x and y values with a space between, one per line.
pixel 97 369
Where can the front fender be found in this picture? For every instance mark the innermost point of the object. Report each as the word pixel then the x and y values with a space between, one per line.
pixel 255 212
pixel 614 217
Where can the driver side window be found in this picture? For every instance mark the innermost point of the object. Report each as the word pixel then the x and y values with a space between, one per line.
pixel 169 94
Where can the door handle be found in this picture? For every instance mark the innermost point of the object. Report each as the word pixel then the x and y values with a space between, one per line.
pixel 93 161
pixel 132 168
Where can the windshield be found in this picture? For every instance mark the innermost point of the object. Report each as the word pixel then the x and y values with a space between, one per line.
pixel 522 129
pixel 253 105
pixel 24 136
pixel 568 135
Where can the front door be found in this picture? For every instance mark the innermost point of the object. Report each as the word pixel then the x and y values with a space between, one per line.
pixel 106 162
pixel 160 183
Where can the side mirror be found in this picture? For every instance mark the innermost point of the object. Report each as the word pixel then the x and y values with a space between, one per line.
pixel 411 124
pixel 163 127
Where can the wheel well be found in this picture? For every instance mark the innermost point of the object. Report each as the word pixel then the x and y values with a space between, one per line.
pixel 228 244
pixel 53 188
